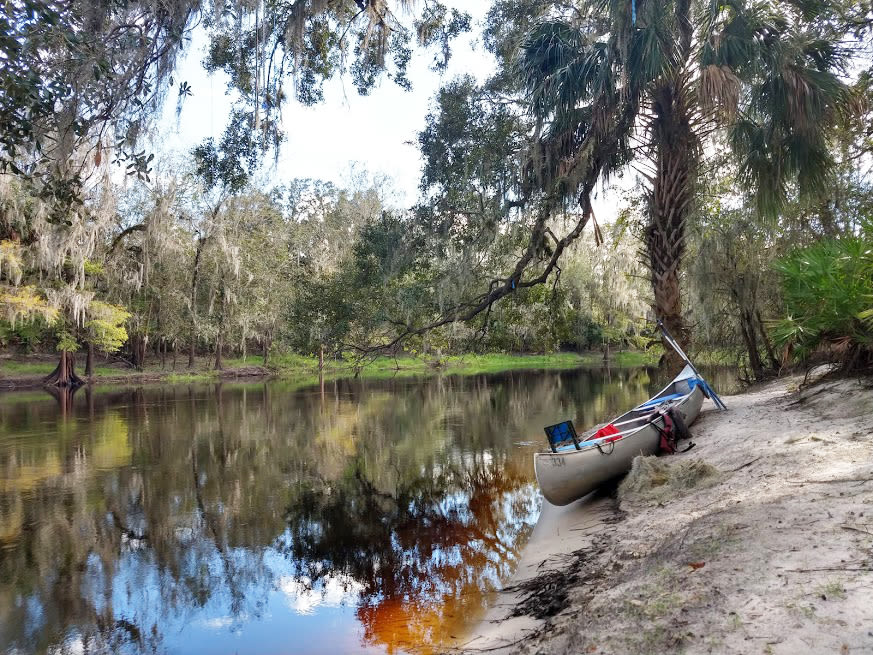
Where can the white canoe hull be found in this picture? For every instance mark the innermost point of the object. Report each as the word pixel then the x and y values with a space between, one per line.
pixel 570 474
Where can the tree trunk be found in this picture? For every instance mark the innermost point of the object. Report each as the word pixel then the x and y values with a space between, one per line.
pixel 669 205
pixel 675 147
pixel 163 353
pixel 195 274
pixel 266 345
pixel 139 346
pixel 768 345
pixel 89 361
pixel 747 327
pixel 321 370
pixel 175 352
pixel 219 364
pixel 64 374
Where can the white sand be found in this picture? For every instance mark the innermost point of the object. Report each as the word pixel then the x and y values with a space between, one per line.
pixel 781 544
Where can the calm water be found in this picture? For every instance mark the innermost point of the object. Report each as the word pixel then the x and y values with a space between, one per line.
pixel 376 518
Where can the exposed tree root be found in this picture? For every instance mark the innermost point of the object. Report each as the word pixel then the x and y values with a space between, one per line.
pixel 64 374
pixel 547 595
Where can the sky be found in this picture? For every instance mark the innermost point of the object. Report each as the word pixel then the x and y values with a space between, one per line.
pixel 375 133
pixel 378 131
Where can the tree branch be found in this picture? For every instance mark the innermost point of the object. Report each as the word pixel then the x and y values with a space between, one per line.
pixel 139 227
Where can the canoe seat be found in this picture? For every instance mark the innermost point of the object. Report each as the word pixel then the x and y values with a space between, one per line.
pixel 560 433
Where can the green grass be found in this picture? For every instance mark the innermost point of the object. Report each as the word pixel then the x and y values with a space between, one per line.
pixel 185 378
pixel 637 358
pixel 492 363
pixel 239 362
pixel 470 364
pixel 301 371
pixel 27 368
pixel 297 371
pixel 834 589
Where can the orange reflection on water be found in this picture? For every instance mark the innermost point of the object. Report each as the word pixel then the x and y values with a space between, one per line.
pixel 457 567
pixel 425 629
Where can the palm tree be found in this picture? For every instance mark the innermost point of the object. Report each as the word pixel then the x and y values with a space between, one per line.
pixel 667 85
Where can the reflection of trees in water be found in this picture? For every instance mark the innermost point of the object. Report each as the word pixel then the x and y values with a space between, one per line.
pixel 441 543
pixel 134 510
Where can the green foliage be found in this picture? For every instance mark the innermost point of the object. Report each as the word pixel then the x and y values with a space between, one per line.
pixel 25 334
pixel 82 81
pixel 472 151
pixel 105 326
pixel 204 260
pixel 93 269
pixel 828 293
pixel 79 78
pixel 439 26
pixel 674 88
pixel 66 340
pixel 24 304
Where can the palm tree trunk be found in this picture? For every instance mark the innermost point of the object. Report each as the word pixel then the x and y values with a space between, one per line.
pixel 670 202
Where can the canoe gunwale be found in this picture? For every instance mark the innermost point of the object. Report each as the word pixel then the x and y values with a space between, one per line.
pixel 590 444
pixel 638 413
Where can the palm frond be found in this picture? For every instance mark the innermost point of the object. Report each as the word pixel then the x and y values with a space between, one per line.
pixel 559 66
pixel 792 94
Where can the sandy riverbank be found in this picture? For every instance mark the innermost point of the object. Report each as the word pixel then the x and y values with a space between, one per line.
pixel 773 554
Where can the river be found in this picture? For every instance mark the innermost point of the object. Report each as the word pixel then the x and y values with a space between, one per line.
pixel 375 517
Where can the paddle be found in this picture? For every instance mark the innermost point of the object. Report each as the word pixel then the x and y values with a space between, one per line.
pixel 669 339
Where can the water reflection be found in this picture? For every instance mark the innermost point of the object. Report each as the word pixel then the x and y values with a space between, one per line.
pixel 261 519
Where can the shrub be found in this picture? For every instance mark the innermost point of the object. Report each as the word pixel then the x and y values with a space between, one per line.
pixel 828 295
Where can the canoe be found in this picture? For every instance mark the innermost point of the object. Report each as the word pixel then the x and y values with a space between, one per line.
pixel 572 470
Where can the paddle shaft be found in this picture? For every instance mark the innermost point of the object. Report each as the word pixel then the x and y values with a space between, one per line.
pixel 670 340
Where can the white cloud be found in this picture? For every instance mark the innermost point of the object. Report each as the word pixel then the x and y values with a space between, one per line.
pixel 304 597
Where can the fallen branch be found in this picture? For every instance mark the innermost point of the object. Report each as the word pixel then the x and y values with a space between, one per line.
pixel 749 463
pixel 803 399
pixel 852 527
pixel 834 481
pixel 829 568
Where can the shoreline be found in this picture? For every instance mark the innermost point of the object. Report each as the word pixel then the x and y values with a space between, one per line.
pixel 304 371
pixel 772 554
